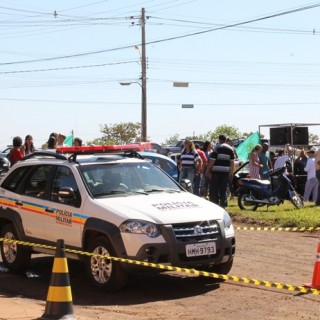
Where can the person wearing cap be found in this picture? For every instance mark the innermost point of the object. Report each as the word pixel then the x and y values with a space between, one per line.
pixel 317 162
pixel 311 187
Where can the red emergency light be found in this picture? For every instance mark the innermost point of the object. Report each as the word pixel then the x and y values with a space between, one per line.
pixel 99 149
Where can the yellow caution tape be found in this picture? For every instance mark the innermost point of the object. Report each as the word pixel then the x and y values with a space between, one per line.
pixel 269 284
pixel 291 229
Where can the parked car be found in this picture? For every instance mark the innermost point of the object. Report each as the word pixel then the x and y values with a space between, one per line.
pixel 176 148
pixel 165 163
pixel 152 147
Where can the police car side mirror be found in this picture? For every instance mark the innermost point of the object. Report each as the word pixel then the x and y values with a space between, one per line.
pixel 67 196
pixel 186 184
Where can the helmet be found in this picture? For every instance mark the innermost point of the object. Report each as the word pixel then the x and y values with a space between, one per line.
pixel 4 163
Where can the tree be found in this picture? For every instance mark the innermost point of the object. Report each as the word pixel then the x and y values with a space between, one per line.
pixel 119 133
pixel 229 131
pixel 172 140
pixel 313 139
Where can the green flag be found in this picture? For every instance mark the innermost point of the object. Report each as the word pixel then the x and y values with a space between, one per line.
pixel 69 141
pixel 246 147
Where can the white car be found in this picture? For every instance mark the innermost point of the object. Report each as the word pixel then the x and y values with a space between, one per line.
pixel 112 204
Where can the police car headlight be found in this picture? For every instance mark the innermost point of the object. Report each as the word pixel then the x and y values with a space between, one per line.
pixel 227 222
pixel 140 227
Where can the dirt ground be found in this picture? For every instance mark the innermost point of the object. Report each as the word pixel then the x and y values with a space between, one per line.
pixel 284 257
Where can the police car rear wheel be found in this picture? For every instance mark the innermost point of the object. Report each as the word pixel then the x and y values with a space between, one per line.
pixel 105 274
pixel 15 257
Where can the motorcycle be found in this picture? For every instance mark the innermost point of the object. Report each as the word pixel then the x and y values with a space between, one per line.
pixel 254 193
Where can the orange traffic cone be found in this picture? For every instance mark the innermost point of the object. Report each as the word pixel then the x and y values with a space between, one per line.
pixel 316 273
pixel 59 299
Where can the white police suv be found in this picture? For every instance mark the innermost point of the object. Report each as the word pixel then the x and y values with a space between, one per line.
pixel 104 199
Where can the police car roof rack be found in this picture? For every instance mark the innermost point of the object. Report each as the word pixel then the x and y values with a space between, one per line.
pixel 125 150
pixel 44 154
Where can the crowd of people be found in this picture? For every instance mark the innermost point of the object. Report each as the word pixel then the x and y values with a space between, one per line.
pixel 211 168
pixel 307 162
pixel 20 149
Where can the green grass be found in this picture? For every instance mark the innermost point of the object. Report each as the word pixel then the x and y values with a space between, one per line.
pixel 284 215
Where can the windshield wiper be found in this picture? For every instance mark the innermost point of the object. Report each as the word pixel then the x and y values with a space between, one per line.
pixel 110 192
pixel 139 192
pixel 162 190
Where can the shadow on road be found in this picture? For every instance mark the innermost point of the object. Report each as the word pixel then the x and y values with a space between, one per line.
pixel 142 288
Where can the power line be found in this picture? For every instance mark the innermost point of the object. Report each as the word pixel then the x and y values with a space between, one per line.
pixel 162 104
pixel 69 68
pixel 170 38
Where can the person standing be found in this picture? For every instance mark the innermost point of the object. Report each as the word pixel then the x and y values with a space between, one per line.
pixel 77 142
pixel 264 159
pixel 17 152
pixel 60 141
pixel 254 162
pixel 198 180
pixel 190 163
pixel 317 162
pixel 52 143
pixel 230 183
pixel 311 186
pixel 281 160
pixel 219 169
pixel 207 149
pixel 28 146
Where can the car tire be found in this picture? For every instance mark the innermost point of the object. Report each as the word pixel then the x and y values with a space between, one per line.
pixel 223 268
pixel 105 274
pixel 15 257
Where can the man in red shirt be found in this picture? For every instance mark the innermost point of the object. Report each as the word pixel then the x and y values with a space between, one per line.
pixel 15 153
pixel 198 178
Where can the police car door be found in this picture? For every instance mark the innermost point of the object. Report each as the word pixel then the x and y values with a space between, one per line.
pixel 31 204
pixel 64 222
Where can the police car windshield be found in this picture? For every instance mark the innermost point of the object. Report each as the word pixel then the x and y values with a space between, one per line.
pixel 118 179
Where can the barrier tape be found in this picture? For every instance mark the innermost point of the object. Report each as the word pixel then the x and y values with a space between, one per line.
pixel 291 229
pixel 264 283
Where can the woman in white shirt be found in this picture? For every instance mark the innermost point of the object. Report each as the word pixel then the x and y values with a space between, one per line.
pixel 311 186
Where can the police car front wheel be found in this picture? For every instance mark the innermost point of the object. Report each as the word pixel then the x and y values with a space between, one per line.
pixel 105 274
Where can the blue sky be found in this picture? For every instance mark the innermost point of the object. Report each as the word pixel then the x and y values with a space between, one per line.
pixel 62 72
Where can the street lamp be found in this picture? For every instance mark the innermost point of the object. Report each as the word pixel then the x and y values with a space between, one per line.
pixel 143 109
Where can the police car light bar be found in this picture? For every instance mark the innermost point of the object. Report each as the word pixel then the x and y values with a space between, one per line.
pixel 99 149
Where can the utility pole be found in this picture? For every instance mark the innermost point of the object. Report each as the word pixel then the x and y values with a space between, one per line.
pixel 143 78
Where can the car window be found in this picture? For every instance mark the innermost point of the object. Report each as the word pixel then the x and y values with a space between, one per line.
pixel 134 177
pixel 64 179
pixel 155 146
pixel 36 183
pixel 164 164
pixel 12 181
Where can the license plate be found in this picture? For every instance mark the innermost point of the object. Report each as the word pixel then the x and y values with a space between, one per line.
pixel 200 249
